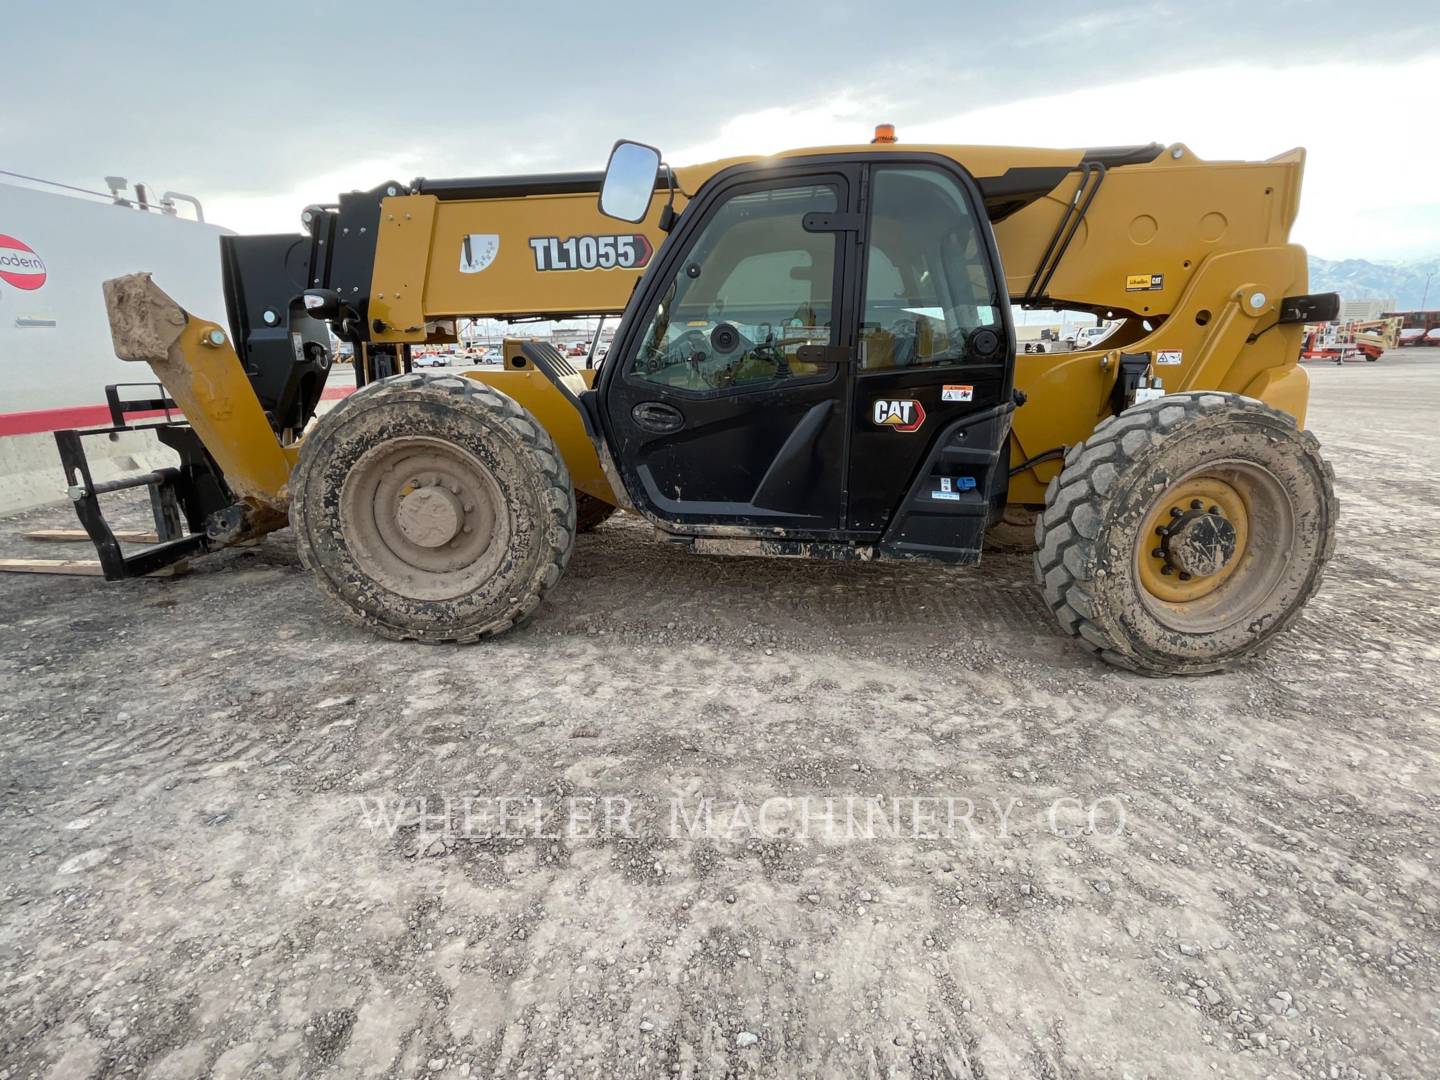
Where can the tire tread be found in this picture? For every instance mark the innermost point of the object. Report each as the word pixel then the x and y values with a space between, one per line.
pixel 558 498
pixel 1063 557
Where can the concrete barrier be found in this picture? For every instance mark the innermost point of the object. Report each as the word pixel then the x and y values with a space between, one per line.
pixel 30 472
pixel 31 476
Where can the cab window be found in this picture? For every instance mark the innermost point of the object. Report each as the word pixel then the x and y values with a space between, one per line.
pixel 754 288
pixel 927 282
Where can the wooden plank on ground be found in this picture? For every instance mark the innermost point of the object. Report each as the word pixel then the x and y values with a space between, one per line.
pixel 76 567
pixel 87 567
pixel 79 536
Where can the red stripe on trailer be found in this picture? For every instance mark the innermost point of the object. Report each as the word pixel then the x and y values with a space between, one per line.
pixel 83 416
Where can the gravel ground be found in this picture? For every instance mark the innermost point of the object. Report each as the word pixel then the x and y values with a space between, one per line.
pixel 233 838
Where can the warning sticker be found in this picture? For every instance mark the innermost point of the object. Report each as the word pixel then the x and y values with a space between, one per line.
pixel 1169 357
pixel 1144 282
pixel 957 393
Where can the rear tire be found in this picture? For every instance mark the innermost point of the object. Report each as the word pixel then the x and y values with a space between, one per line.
pixel 433 508
pixel 590 512
pixel 1187 532
pixel 1014 533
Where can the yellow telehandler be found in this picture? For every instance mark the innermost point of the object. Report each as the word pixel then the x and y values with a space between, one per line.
pixel 815 357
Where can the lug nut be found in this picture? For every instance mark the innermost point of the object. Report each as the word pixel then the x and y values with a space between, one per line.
pixel 1176 512
pixel 1216 511
pixel 1160 530
pixel 1184 576
pixel 1158 553
pixel 1196 504
pixel 1166 569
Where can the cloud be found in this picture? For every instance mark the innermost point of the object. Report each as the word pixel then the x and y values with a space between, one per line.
pixel 253 107
pixel 1370 173
pixel 781 128
pixel 252 212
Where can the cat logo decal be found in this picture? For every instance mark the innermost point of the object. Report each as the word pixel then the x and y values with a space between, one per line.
pixel 898 414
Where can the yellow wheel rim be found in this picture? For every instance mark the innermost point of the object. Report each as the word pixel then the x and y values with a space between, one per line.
pixel 1162 574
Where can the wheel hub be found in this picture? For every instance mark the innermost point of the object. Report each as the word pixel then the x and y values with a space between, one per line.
pixel 1194 539
pixel 430 516
pixel 424 517
pixel 1200 543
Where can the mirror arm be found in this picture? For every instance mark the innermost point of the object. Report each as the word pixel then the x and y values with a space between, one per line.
pixel 668 216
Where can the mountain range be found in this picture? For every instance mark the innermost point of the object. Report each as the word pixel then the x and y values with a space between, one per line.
pixel 1360 279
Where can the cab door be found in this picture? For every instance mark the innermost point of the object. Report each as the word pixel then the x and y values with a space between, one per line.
pixel 934 373
pixel 725 399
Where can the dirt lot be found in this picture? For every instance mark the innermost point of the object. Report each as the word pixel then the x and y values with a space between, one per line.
pixel 213 863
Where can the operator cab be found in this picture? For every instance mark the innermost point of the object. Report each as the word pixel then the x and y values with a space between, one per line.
pixel 820 359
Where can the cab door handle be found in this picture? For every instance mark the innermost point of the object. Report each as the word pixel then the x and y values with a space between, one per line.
pixel 658 417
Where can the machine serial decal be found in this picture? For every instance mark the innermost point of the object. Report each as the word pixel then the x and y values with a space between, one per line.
pixel 1144 282
pixel 957 393
pixel 1169 357
pixel 951 487
pixel 898 414
pixel 627 252
pixel 19 265
pixel 477 251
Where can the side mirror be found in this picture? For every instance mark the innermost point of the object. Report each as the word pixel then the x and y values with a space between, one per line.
pixel 629 181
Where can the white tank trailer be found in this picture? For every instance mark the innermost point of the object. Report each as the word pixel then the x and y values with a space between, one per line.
pixel 56 356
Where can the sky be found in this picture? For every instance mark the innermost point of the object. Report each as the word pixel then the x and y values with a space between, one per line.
pixel 262 107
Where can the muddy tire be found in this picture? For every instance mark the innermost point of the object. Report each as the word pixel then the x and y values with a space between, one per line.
pixel 433 508
pixel 590 512
pixel 1186 533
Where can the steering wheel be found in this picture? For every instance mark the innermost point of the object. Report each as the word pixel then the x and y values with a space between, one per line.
pixel 726 339
pixel 695 346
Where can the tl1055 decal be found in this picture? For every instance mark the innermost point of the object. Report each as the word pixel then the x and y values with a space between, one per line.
pixel 628 252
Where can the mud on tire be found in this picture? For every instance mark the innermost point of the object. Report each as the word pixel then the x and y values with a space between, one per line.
pixel 1102 560
pixel 433 508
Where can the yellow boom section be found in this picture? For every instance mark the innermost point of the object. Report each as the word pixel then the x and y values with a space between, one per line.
pixel 503 257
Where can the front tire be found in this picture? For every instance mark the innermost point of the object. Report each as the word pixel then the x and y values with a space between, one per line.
pixel 1187 532
pixel 433 508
